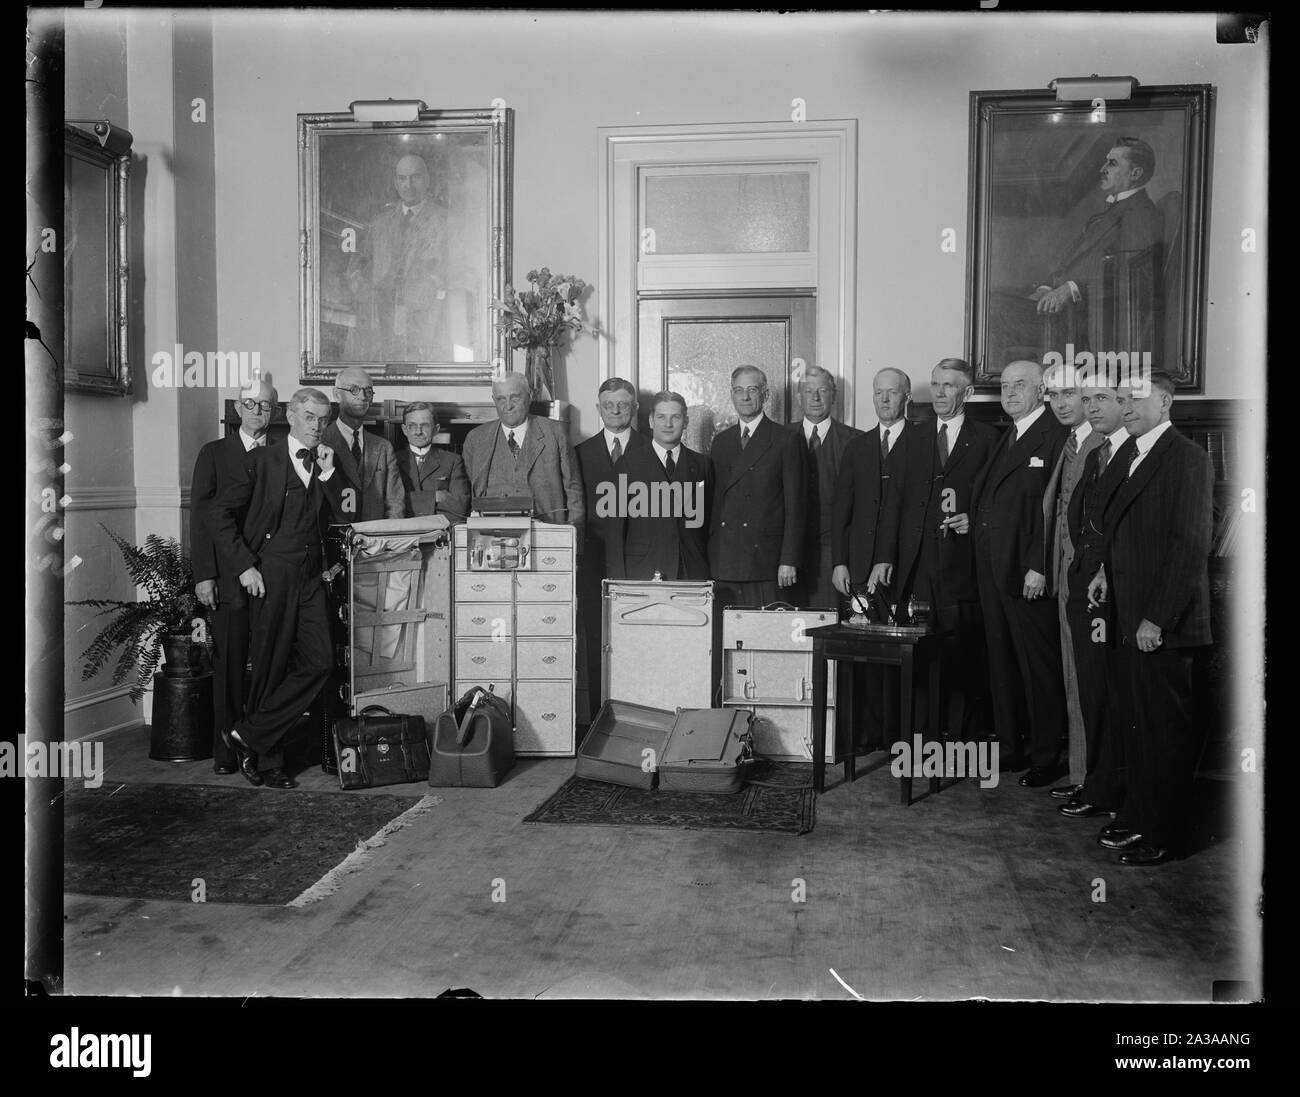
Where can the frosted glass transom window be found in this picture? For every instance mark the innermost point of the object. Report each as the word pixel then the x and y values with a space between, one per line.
pixel 728 214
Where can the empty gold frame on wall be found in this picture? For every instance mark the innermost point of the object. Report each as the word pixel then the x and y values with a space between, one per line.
pixel 405 234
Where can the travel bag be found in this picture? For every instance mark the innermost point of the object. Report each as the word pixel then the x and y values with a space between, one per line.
pixel 473 743
pixel 380 748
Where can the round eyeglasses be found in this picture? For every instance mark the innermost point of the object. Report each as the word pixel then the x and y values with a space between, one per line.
pixel 253 405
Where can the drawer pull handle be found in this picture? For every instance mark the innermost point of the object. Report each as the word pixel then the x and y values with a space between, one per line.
pixel 478 586
pixel 548 716
pixel 479 620
pixel 548 586
pixel 548 659
pixel 548 559
pixel 549 619
pixel 479 659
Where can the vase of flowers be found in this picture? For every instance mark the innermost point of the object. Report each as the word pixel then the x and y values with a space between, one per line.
pixel 541 320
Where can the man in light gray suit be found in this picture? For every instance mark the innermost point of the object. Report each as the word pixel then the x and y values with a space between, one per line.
pixel 1065 399
pixel 525 455
pixel 367 460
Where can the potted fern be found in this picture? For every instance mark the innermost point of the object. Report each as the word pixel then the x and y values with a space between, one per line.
pixel 160 625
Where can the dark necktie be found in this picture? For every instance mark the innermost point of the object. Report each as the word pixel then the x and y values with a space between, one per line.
pixel 356 446
pixel 943 445
pixel 814 443
pixel 510 441
pixel 744 437
pixel 1103 457
pixel 419 460
pixel 615 452
pixel 1132 458
pixel 1072 443
pixel 670 465
pixel 884 445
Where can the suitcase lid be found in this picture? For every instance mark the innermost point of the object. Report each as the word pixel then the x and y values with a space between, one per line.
pixel 706 736
pixel 622 730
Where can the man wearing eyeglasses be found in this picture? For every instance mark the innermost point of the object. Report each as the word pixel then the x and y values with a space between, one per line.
pixel 760 508
pixel 366 460
pixel 218 463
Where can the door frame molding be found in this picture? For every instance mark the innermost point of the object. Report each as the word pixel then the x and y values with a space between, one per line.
pixel 831 144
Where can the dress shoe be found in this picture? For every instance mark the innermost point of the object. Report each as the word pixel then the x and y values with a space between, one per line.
pixel 1142 856
pixel 1078 810
pixel 1037 776
pixel 1065 792
pixel 277 778
pixel 247 759
pixel 1114 830
pixel 1121 840
pixel 224 769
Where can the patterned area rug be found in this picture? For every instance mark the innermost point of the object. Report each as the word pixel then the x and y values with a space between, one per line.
pixel 778 798
pixel 246 845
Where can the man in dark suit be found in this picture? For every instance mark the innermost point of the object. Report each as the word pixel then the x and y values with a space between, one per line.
pixel 1065 399
pixel 924 540
pixel 434 479
pixel 825 439
pixel 286 493
pixel 366 460
pixel 870 460
pixel 1154 569
pixel 1011 564
pixel 757 528
pixel 672 542
pixel 218 463
pixel 600 459
pixel 1102 703
pixel 523 455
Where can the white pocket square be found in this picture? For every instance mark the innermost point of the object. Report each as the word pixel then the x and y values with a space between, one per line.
pixel 1035 462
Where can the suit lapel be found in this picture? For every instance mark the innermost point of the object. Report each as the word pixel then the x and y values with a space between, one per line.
pixel 957 453
pixel 759 442
pixel 343 455
pixel 534 443
pixel 1136 484
pixel 276 464
pixel 1022 449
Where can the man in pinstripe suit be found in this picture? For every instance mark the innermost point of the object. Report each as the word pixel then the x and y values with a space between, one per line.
pixel 1154 570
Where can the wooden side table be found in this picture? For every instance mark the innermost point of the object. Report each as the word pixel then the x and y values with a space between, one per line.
pixel 902 650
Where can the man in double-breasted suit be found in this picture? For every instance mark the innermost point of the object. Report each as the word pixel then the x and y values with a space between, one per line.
pixel 673 541
pixel 366 460
pixel 1154 569
pixel 1011 565
pixel 524 455
pixel 825 439
pixel 924 539
pixel 219 463
pixel 434 479
pixel 1065 399
pixel 1097 664
pixel 760 509
pixel 600 460
pixel 287 493
pixel 870 462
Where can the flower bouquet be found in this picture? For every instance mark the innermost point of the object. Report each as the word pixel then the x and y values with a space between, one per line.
pixel 541 319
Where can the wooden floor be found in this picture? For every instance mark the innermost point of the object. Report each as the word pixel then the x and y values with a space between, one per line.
pixel 973 893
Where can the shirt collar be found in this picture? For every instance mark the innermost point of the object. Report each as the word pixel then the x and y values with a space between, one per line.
pixel 295 445
pixel 249 441
pixel 1081 433
pixel 520 430
pixel 623 437
pixel 348 432
pixel 412 209
pixel 1111 199
pixel 1118 438
pixel 1146 441
pixel 954 424
pixel 421 451
pixel 662 453
pixel 753 424
pixel 892 430
pixel 1028 421
pixel 820 429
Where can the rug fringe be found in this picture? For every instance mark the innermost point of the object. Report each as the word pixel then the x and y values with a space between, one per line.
pixel 360 857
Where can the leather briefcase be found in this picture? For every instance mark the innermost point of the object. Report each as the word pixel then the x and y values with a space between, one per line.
pixel 473 743
pixel 381 748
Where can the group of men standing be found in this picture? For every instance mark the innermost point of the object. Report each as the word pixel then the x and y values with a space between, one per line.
pixel 1064 560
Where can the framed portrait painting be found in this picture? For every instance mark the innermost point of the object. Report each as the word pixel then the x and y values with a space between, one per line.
pixel 405 240
pixel 1087 231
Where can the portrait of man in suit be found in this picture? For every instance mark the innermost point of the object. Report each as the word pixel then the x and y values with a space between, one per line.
pixel 216 467
pixel 672 545
pixel 824 438
pixel 286 495
pixel 366 460
pixel 434 479
pixel 1012 561
pixel 519 454
pixel 1154 570
pixel 757 529
pixel 924 545
pixel 600 459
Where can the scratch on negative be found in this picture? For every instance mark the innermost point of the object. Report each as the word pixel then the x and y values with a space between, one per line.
pixel 846 985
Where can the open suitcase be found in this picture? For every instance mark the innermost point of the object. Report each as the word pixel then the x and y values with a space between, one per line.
pixel 687 750
pixel 657 642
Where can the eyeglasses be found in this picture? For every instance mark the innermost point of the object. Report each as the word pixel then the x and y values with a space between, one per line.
pixel 253 405
pixel 367 393
pixel 752 390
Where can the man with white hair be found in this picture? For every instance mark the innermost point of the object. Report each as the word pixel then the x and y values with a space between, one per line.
pixel 519 454
pixel 218 463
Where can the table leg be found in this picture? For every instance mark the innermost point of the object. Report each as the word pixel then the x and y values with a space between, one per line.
pixel 905 720
pixel 846 728
pixel 819 719
pixel 934 671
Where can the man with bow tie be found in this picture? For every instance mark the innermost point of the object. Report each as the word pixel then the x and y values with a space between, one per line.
pixel 218 463
pixel 285 494
pixel 434 479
